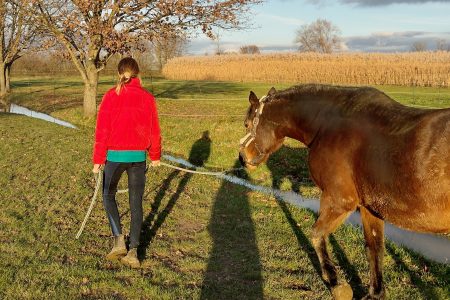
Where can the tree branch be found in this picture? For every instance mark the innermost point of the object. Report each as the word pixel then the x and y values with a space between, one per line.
pixel 61 37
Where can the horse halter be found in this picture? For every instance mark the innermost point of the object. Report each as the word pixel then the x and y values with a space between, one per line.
pixel 251 136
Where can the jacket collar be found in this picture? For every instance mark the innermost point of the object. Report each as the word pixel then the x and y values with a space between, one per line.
pixel 135 81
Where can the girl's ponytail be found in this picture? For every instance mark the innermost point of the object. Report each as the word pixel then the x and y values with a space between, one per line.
pixel 128 68
pixel 123 79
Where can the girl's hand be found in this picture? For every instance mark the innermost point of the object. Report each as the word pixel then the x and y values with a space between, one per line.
pixel 156 163
pixel 96 168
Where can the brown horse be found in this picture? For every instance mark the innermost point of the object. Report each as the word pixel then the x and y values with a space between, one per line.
pixel 366 152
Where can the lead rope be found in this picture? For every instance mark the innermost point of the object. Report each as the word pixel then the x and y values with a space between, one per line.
pixel 94 197
pixel 100 176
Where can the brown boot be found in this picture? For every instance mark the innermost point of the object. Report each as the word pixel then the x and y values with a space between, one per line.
pixel 131 259
pixel 119 248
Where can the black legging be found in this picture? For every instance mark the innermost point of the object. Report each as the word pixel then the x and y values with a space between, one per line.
pixel 136 184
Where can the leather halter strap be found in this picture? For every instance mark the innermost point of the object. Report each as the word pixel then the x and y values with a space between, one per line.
pixel 251 136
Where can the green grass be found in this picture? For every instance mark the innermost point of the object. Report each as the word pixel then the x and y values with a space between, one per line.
pixel 203 237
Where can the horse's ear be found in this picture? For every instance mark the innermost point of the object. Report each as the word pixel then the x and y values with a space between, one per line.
pixel 272 91
pixel 252 98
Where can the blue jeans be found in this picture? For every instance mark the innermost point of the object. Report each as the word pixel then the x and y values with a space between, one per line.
pixel 136 183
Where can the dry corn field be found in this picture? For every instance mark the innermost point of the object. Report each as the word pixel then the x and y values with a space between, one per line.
pixel 419 68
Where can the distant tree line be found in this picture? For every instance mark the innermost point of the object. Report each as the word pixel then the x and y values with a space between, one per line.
pixel 441 45
pixel 52 62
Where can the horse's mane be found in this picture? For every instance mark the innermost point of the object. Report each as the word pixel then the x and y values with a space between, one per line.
pixel 324 89
pixel 357 101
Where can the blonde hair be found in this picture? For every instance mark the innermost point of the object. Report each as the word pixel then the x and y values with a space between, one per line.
pixel 128 68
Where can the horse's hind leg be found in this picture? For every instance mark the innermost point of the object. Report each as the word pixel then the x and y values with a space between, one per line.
pixel 331 215
pixel 374 235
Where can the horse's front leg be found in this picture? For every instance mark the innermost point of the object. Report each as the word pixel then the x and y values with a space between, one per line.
pixel 374 236
pixel 331 215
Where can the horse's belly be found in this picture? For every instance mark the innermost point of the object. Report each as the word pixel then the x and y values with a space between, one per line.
pixel 415 213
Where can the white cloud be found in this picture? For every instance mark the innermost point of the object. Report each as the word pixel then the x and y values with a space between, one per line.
pixel 394 41
pixel 384 41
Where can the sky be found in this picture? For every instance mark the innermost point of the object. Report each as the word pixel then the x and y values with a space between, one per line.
pixel 366 25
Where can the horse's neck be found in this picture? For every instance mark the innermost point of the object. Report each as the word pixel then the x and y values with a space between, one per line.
pixel 298 119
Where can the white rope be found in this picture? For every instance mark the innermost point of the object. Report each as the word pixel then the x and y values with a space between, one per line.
pixel 195 172
pixel 199 116
pixel 94 197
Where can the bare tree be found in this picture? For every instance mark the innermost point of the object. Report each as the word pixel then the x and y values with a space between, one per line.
pixel 319 36
pixel 249 49
pixel 419 47
pixel 217 40
pixel 92 31
pixel 35 63
pixel 167 47
pixel 16 37
pixel 441 45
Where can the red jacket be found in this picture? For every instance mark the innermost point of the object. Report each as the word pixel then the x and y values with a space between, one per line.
pixel 128 121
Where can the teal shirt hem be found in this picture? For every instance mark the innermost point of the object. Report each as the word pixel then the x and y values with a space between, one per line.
pixel 126 155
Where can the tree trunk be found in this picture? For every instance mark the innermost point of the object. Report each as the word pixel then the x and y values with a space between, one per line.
pixel 8 78
pixel 90 91
pixel 2 80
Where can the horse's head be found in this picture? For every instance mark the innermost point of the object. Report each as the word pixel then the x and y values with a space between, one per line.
pixel 263 137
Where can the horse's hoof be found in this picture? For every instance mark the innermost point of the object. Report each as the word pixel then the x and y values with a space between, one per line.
pixel 342 292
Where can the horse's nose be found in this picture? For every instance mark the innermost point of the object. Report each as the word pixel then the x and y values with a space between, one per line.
pixel 241 160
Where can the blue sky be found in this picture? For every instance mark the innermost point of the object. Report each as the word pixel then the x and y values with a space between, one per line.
pixel 366 25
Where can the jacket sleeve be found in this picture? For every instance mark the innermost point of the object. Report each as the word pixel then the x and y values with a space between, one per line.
pixel 154 150
pixel 102 131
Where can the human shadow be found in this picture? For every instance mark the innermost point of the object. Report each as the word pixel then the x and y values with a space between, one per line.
pixel 291 164
pixel 234 267
pixel 200 151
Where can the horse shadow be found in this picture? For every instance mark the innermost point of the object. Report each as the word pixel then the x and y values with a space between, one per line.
pixel 426 290
pixel 199 154
pixel 234 269
pixel 291 164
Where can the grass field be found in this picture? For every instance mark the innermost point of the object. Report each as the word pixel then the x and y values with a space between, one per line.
pixel 203 237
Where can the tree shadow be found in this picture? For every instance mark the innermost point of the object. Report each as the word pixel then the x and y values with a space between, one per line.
pixel 234 267
pixel 291 164
pixel 177 90
pixel 47 105
pixel 24 83
pixel 199 153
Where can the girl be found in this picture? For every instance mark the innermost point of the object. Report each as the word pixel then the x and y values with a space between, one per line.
pixel 127 128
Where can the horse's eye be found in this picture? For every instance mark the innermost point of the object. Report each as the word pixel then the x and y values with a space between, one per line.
pixel 246 124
